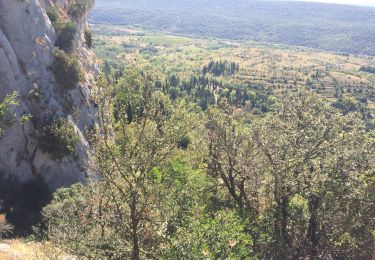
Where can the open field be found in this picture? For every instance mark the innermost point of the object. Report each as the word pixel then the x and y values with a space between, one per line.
pixel 277 67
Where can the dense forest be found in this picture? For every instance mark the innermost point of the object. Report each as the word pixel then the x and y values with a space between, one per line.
pixel 338 28
pixel 176 180
pixel 179 182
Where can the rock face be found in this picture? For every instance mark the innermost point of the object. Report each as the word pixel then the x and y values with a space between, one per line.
pixel 27 43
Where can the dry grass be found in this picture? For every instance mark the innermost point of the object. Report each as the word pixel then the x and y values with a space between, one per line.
pixel 22 250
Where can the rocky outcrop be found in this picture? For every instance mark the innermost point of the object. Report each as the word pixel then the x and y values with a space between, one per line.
pixel 27 43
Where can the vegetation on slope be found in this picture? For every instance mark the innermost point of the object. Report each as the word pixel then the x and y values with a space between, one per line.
pixel 214 162
pixel 247 186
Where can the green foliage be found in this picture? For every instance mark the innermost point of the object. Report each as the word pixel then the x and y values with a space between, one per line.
pixel 245 187
pixel 8 116
pixel 185 142
pixel 222 68
pixel 132 95
pixel 72 221
pixel 58 138
pixel 67 69
pixel 315 152
pixel 260 72
pixel 35 93
pixel 65 35
pixel 206 91
pixel 348 104
pixel 54 16
pixel 221 236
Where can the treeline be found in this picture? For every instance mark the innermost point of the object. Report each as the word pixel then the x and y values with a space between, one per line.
pixel 221 68
pixel 206 91
pixel 178 182
pixel 367 69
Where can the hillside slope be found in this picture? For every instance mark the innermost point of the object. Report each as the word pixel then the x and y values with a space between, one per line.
pixel 27 55
pixel 330 27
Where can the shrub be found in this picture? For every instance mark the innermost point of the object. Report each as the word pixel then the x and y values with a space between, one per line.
pixel 80 7
pixel 221 236
pixel 65 36
pixel 54 16
pixel 8 117
pixel 184 142
pixel 58 139
pixel 66 69
pixel 88 38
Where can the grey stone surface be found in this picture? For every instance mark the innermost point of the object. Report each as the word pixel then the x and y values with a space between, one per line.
pixel 26 53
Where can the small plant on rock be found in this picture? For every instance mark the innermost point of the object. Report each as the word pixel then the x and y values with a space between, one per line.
pixel 88 38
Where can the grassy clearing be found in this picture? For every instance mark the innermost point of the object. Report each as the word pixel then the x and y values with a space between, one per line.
pixel 23 250
pixel 165 39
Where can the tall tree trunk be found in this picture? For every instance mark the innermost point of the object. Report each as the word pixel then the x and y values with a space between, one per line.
pixel 135 221
pixel 284 220
pixel 312 231
pixel 281 223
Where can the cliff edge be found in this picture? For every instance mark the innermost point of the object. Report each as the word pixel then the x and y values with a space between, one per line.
pixel 31 32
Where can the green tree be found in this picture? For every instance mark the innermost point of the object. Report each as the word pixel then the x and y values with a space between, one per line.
pixel 314 151
pixel 136 147
pixel 231 156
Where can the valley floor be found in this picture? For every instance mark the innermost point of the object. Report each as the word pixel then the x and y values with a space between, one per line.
pixel 275 67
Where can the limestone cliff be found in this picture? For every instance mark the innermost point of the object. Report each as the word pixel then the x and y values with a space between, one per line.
pixel 27 44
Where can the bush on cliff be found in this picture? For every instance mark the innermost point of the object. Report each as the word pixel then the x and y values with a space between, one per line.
pixel 58 138
pixel 80 7
pixel 54 16
pixel 65 35
pixel 67 69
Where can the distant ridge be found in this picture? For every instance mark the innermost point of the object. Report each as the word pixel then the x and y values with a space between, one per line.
pixel 332 27
pixel 341 2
